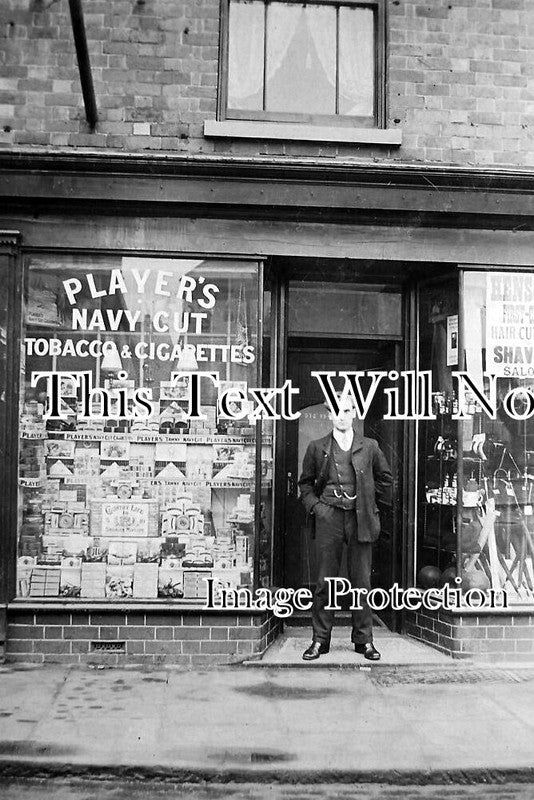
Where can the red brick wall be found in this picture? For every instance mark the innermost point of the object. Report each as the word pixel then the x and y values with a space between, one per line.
pixel 486 637
pixel 458 74
pixel 149 637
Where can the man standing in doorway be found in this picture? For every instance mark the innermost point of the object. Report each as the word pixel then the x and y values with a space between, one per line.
pixel 343 476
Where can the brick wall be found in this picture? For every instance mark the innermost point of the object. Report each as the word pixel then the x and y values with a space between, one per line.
pixel 141 637
pixel 485 637
pixel 458 80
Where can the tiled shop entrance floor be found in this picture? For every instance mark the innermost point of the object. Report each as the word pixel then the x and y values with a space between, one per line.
pixel 395 649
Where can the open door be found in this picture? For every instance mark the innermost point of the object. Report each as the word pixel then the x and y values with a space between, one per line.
pixel 306 355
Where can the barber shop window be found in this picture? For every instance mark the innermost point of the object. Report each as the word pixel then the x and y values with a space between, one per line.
pixel 317 63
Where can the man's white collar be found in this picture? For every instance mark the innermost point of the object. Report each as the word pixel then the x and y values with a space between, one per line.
pixel 344 439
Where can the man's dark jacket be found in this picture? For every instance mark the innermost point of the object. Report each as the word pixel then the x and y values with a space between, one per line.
pixel 373 480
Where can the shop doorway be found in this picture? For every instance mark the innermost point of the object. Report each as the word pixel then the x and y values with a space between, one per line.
pixel 304 356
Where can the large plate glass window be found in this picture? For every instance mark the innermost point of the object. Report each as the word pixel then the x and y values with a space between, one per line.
pixel 315 62
pixel 122 494
pixel 497 520
pixel 476 458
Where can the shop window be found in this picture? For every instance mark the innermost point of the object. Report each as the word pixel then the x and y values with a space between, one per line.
pixel 320 63
pixel 497 519
pixel 122 494
pixel 476 458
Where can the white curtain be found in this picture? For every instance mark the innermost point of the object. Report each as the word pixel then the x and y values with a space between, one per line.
pixel 301 58
pixel 356 61
pixel 282 21
pixel 322 26
pixel 245 55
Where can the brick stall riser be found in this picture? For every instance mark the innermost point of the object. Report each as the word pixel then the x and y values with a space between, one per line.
pixel 458 81
pixel 116 638
pixel 482 637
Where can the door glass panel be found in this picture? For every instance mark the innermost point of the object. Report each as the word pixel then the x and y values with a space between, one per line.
pixel 438 438
pixel 348 309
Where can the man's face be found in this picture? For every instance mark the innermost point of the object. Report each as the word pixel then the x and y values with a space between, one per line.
pixel 343 421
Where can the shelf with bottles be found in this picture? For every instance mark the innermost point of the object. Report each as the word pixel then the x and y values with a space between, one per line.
pixel 444 495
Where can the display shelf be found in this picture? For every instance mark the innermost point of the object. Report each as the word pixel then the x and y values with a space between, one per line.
pixel 97 436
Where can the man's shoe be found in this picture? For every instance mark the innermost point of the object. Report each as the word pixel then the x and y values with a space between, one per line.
pixel 315 650
pixel 368 650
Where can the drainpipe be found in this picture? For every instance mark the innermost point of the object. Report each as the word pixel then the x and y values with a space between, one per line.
pixel 84 65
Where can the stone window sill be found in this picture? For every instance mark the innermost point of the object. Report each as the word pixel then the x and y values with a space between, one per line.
pixel 289 131
pixel 149 605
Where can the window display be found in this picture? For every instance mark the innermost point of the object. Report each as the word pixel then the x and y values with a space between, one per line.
pixel 438 438
pixel 131 485
pixel 475 476
pixel 497 527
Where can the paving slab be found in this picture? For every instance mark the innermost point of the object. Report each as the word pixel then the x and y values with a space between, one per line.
pixel 271 725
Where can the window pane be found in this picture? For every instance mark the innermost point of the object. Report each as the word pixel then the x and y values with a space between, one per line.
pixel 356 62
pixel 497 521
pixel 245 55
pixel 301 59
pixel 344 308
pixel 115 503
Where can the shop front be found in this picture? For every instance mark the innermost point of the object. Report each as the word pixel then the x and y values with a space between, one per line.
pixel 141 473
pixel 144 481
pixel 474 461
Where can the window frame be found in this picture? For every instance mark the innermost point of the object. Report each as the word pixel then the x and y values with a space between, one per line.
pixel 377 121
pixel 94 256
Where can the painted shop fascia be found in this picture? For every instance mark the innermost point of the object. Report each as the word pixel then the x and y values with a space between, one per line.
pixel 270 189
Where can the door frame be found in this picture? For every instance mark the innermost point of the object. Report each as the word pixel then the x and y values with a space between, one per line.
pixel 389 568
pixel 405 350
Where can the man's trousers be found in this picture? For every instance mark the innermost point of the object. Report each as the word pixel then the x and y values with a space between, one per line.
pixel 334 527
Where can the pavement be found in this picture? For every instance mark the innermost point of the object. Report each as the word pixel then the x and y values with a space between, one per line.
pixel 425 722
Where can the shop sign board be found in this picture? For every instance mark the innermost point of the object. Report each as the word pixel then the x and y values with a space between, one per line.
pixel 510 324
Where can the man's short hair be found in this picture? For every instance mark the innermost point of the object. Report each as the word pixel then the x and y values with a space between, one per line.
pixel 339 395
